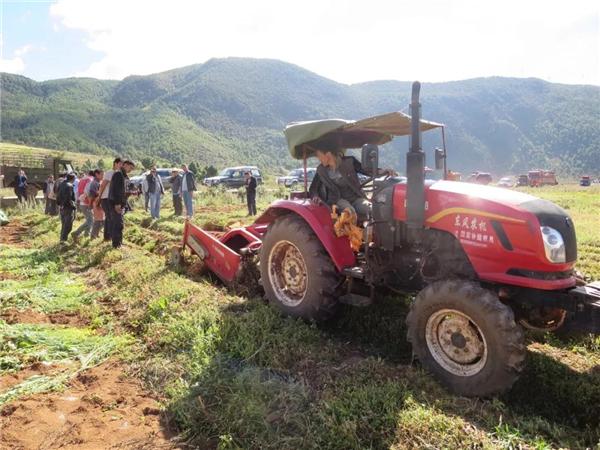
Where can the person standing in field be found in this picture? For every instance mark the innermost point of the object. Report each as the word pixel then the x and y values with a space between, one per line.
pixel 102 199
pixel 176 190
pixel 155 190
pixel 21 186
pixel 145 192
pixel 117 198
pixel 250 182
pixel 50 196
pixel 76 189
pixel 188 186
pixel 92 190
pixel 84 206
pixel 65 199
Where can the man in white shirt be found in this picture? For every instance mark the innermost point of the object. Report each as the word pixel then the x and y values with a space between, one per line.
pixel 103 197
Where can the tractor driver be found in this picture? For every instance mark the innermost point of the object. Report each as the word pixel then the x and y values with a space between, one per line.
pixel 336 183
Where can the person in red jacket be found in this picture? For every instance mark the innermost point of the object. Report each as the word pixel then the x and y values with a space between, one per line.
pixel 84 206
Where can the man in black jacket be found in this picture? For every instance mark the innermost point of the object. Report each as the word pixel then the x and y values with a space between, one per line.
pixel 176 190
pixel 102 198
pixel 65 199
pixel 250 183
pixel 117 199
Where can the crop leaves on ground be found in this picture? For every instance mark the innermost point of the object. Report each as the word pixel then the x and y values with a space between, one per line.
pixel 71 349
pixel 236 374
pixel 25 344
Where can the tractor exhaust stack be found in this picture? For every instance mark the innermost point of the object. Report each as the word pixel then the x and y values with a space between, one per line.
pixel 415 168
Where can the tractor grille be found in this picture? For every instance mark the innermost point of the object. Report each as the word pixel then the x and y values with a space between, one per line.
pixel 547 276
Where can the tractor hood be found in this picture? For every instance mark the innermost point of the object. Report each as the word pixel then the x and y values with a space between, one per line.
pixel 447 201
pixel 304 138
pixel 487 193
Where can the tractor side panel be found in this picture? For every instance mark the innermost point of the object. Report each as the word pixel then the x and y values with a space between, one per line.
pixel 499 238
pixel 319 219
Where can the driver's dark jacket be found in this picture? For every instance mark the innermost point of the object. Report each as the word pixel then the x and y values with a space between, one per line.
pixel 325 189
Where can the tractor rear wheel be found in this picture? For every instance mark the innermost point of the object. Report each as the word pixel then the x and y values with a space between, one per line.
pixel 297 274
pixel 466 337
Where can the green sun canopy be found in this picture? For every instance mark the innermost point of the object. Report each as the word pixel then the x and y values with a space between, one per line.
pixel 335 134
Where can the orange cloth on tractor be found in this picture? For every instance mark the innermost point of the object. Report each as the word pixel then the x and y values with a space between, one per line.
pixel 345 225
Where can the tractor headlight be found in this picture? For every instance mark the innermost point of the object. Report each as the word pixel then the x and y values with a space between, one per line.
pixel 554 245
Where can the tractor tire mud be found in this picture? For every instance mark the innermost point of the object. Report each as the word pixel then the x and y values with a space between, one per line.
pixel 297 274
pixel 466 338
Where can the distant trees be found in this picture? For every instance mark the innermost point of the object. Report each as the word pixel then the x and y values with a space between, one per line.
pixel 147 163
pixel 205 172
pixel 493 124
pixel 87 166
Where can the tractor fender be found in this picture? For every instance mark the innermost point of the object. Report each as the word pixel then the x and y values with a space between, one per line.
pixel 318 218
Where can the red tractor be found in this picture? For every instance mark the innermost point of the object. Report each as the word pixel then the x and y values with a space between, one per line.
pixel 484 262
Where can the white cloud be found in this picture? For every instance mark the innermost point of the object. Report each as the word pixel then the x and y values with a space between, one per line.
pixel 22 51
pixel 16 64
pixel 349 40
pixel 12 65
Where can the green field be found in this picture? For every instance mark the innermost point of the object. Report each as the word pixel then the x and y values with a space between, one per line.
pixel 233 373
pixel 79 159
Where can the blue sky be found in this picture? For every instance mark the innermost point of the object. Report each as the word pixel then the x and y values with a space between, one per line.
pixel 346 40
pixel 31 35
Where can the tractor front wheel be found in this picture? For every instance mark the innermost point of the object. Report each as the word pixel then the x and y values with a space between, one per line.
pixel 466 337
pixel 297 274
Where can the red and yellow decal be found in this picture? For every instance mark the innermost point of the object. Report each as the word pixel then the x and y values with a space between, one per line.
pixel 472 212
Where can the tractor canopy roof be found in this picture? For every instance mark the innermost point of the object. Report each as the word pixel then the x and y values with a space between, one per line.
pixel 336 134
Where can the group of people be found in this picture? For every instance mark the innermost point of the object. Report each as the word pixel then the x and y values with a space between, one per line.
pixel 101 196
pixel 183 186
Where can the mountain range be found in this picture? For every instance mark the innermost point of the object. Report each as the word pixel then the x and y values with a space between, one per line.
pixel 233 110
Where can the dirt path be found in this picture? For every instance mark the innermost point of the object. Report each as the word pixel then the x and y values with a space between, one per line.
pixel 102 408
pixel 12 234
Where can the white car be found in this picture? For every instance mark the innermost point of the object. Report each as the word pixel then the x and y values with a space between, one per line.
pixel 506 182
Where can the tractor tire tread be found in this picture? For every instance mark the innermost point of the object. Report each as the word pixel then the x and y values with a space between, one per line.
pixel 504 336
pixel 323 306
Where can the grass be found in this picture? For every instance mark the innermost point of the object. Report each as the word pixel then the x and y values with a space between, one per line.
pixel 77 158
pixel 233 373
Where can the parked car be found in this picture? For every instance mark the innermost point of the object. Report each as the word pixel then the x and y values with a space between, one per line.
pixel 523 180
pixel 295 177
pixel 480 178
pixel 163 173
pixel 506 182
pixel 585 180
pixel 233 177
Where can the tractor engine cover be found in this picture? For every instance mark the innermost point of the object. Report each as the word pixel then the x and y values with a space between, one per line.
pixel 500 231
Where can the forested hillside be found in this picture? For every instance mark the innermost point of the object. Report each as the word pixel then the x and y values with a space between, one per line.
pixel 232 110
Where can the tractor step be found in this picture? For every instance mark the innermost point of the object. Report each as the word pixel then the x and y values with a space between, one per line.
pixel 355 300
pixel 357 272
